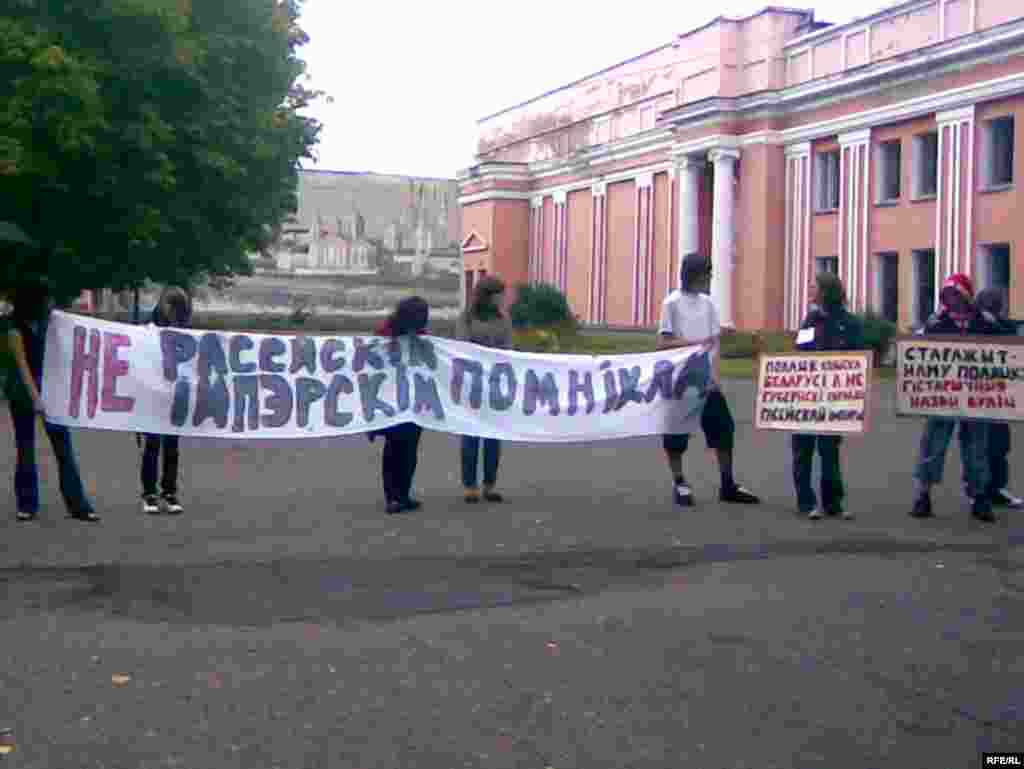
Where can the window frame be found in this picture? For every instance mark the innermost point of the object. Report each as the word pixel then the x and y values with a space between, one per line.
pixel 821 205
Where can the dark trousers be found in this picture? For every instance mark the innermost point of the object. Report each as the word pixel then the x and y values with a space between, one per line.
pixel 26 475
pixel 471 457
pixel 715 421
pixel 151 462
pixel 832 489
pixel 401 447
pixel 998 456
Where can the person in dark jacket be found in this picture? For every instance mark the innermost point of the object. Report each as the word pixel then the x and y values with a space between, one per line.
pixel 991 301
pixel 957 315
pixel 401 441
pixel 174 308
pixel 827 327
pixel 485 324
pixel 27 342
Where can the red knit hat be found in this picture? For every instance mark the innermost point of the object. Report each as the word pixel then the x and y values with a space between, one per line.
pixel 961 283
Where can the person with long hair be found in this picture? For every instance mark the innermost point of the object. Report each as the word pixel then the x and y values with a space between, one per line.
pixel 32 303
pixel 828 326
pixel 401 441
pixel 174 308
pixel 483 323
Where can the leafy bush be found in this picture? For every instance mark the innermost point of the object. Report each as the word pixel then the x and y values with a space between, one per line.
pixel 878 334
pixel 541 305
pixel 746 344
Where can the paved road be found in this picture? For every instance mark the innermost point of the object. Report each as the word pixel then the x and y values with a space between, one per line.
pixel 285 621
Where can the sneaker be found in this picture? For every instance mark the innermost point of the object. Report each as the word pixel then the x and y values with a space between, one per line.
pixel 922 506
pixel 26 516
pixel 490 495
pixel 410 505
pixel 847 515
pixel 172 505
pixel 151 504
pixel 472 496
pixel 814 515
pixel 682 494
pixel 394 507
pixel 1004 498
pixel 84 515
pixel 981 509
pixel 739 495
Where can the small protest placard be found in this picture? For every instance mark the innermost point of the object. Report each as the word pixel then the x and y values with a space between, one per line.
pixel 961 377
pixel 814 392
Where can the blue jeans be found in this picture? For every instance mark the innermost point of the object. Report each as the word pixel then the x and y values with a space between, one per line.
pixel 471 457
pixel 26 476
pixel 938 433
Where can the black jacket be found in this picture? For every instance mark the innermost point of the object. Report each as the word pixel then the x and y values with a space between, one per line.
pixel 835 330
pixel 980 324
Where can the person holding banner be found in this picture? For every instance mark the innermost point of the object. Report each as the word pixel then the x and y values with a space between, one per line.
pixel 27 340
pixel 401 442
pixel 828 326
pixel 991 301
pixel 174 308
pixel 958 315
pixel 689 319
pixel 483 323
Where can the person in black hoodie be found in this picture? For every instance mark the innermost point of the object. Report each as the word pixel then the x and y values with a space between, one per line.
pixel 828 326
pixel 173 309
pixel 958 315
pixel 991 301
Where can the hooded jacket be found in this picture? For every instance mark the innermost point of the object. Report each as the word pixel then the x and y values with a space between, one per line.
pixel 973 322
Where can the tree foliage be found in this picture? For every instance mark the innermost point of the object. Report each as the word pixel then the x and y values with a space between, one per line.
pixel 150 139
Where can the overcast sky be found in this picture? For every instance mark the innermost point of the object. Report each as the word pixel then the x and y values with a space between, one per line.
pixel 410 79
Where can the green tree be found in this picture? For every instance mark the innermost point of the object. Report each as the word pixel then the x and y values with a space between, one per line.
pixel 150 139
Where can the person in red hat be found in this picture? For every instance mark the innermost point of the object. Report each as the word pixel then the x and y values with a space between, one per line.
pixel 957 314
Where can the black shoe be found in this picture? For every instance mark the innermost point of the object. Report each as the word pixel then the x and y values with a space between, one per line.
pixel 738 495
pixel 682 494
pixel 410 505
pixel 150 504
pixel 1003 498
pixel 492 496
pixel 922 506
pixel 981 509
pixel 172 505
pixel 394 507
pixel 87 516
pixel 26 516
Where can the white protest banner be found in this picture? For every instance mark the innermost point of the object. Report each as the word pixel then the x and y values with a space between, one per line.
pixel 964 377
pixel 814 392
pixel 113 376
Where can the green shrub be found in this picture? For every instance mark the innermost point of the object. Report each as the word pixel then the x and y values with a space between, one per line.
pixel 878 334
pixel 541 305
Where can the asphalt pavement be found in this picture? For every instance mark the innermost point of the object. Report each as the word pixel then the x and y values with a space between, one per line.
pixel 286 621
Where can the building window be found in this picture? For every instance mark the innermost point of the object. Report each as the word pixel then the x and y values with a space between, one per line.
pixel 924 285
pixel 601 130
pixel 889 172
pixel 827 181
pixel 827 264
pixel 994 269
pixel 926 165
pixel 887 285
pixel 998 156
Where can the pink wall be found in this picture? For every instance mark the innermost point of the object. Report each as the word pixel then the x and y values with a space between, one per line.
pixel 581 213
pixel 621 225
pixel 662 242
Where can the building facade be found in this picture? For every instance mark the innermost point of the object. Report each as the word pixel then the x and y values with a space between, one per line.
pixel 882 149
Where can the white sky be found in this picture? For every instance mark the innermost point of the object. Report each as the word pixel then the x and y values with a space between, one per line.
pixel 410 79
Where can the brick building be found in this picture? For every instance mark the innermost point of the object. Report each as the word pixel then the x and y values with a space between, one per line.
pixel 882 149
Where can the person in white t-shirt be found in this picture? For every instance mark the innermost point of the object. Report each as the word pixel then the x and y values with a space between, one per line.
pixel 688 319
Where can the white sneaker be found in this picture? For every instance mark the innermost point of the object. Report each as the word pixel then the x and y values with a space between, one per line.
pixel 151 504
pixel 683 495
pixel 848 515
pixel 815 514
pixel 1004 497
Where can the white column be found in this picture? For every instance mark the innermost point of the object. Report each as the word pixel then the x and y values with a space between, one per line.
pixel 688 174
pixel 723 238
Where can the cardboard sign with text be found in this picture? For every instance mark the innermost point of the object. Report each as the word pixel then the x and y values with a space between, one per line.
pixel 814 392
pixel 961 377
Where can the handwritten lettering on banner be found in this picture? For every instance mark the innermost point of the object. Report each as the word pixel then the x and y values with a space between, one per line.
pixel 814 392
pixel 950 376
pixel 114 376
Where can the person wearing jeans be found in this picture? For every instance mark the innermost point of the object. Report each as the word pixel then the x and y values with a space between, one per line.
pixel 485 324
pixel 27 341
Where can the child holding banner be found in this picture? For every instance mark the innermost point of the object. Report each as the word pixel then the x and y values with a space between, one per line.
pixel 828 326
pixel 991 301
pixel 27 341
pixel 401 442
pixel 958 314
pixel 483 323
pixel 688 318
pixel 174 308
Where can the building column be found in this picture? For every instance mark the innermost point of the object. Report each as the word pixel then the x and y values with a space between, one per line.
pixel 723 239
pixel 643 248
pixel 954 236
pixel 854 149
pixel 599 254
pixel 536 238
pixel 688 173
pixel 559 250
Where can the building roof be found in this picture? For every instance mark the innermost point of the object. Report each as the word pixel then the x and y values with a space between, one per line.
pixel 809 13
